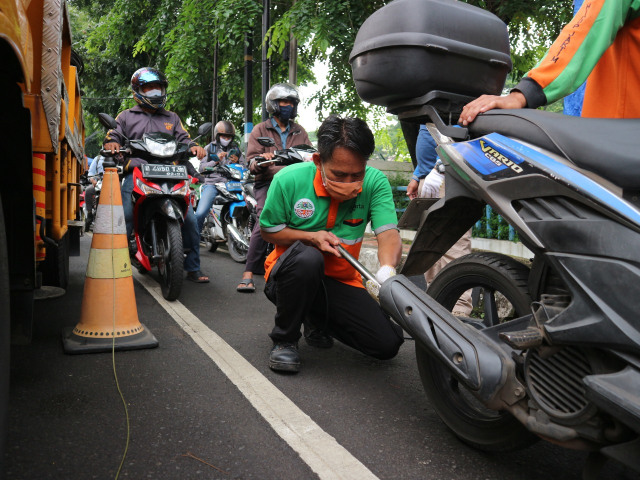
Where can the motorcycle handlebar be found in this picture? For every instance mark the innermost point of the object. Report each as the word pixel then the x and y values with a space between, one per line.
pixel 107 153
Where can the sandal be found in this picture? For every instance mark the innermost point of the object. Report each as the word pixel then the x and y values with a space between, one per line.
pixel 197 277
pixel 246 285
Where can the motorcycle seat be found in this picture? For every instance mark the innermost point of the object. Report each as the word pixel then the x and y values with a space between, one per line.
pixel 606 146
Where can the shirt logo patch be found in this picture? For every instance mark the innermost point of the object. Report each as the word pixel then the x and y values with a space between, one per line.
pixel 353 222
pixel 304 208
pixel 168 126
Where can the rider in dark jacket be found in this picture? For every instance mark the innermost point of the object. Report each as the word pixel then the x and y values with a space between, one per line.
pixel 223 150
pixel 149 90
pixel 282 103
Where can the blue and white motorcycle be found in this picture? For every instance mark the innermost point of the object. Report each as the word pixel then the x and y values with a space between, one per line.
pixel 552 348
pixel 229 220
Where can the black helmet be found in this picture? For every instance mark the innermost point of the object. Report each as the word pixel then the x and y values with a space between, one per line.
pixel 145 76
pixel 282 91
pixel 223 128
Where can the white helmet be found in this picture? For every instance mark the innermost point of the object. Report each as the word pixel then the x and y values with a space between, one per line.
pixel 282 91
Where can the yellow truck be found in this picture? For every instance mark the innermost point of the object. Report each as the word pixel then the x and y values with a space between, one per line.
pixel 41 159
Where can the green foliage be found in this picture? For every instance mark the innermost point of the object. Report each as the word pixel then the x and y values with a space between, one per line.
pixel 390 144
pixel 400 198
pixel 498 228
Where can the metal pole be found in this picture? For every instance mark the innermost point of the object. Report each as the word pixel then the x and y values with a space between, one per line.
pixel 266 5
pixel 248 86
pixel 214 93
pixel 293 57
pixel 293 60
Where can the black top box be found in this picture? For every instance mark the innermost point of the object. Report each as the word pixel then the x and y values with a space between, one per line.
pixel 412 51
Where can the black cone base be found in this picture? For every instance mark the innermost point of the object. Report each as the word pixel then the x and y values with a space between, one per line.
pixel 75 344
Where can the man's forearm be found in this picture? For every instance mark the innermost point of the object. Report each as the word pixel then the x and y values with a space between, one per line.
pixel 389 248
pixel 287 236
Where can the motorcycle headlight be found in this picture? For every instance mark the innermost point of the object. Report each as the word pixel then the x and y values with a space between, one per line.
pixel 147 189
pixel 164 149
pixel 181 189
pixel 236 174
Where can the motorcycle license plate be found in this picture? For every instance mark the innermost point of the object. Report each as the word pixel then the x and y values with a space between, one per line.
pixel 234 186
pixel 174 172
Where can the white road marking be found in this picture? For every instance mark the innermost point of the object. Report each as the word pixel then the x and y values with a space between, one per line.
pixel 324 455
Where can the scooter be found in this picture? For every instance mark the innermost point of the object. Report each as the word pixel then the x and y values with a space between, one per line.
pixel 229 219
pixel 552 349
pixel 161 197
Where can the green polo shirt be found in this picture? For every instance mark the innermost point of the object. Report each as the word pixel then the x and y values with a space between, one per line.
pixel 297 199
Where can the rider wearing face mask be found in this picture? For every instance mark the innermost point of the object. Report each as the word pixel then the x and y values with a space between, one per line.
pixel 282 104
pixel 311 208
pixel 223 150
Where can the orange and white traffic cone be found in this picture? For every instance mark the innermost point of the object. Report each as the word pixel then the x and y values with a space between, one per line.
pixel 109 317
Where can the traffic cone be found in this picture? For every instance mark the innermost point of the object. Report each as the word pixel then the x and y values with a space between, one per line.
pixel 108 303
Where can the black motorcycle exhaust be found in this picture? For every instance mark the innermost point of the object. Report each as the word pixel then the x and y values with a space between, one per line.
pixel 485 368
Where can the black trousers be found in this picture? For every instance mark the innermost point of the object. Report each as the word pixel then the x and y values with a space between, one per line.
pixel 257 246
pixel 301 292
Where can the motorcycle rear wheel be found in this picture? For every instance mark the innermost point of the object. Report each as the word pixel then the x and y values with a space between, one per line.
pixel 171 265
pixel 498 278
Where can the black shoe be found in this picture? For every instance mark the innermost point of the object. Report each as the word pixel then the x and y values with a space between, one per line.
pixel 317 338
pixel 133 247
pixel 284 357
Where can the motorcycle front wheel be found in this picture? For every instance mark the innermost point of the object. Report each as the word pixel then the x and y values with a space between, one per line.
pixel 238 251
pixel 207 237
pixel 171 264
pixel 500 294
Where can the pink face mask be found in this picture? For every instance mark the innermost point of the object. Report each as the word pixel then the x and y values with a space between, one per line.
pixel 341 191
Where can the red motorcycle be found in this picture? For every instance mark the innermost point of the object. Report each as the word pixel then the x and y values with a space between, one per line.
pixel 161 197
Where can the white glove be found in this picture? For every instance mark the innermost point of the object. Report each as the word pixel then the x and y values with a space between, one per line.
pixel 384 273
pixel 432 184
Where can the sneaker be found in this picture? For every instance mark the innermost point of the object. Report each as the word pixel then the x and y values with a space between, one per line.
pixel 317 338
pixel 284 357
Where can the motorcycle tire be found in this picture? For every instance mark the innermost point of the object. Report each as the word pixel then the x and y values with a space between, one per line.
pixel 171 266
pixel 209 243
pixel 237 251
pixel 494 276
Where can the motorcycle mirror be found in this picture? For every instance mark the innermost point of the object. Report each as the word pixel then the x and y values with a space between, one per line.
pixel 204 129
pixel 266 142
pixel 107 120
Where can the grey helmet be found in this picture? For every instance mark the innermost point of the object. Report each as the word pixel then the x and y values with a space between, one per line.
pixel 223 127
pixel 282 91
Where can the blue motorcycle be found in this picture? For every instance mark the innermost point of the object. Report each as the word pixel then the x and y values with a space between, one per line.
pixel 229 220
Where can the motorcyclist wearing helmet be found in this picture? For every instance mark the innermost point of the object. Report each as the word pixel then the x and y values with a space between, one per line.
pixel 149 87
pixel 282 101
pixel 223 150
